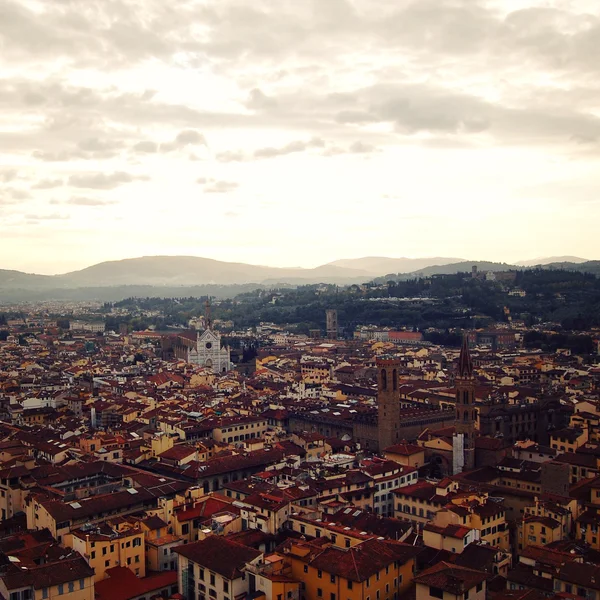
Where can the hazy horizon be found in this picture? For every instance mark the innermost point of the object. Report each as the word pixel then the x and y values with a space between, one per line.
pixel 297 133
pixel 290 266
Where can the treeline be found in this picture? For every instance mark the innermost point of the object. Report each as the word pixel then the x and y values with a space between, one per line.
pixel 578 344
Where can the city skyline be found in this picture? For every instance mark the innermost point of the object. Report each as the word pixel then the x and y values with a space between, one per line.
pixel 296 134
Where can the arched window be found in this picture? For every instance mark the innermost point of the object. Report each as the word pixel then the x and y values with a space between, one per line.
pixel 395 380
pixel 466 397
pixel 466 416
pixel 383 379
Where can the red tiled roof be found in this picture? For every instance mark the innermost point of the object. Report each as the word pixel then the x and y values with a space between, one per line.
pixel 122 584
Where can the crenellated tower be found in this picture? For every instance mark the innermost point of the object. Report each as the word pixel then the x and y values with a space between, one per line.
pixel 388 401
pixel 466 412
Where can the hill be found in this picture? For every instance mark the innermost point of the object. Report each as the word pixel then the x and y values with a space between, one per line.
pixel 175 275
pixel 459 267
pixel 381 265
pixel 534 262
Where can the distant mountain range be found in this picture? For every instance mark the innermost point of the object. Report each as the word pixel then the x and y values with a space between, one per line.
pixel 168 275
pixel 534 262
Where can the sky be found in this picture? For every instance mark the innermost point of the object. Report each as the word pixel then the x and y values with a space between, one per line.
pixel 297 132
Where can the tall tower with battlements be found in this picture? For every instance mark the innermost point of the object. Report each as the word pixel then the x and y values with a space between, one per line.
pixel 388 401
pixel 466 412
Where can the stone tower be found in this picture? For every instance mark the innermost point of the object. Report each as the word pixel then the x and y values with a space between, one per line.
pixel 331 324
pixel 388 401
pixel 466 413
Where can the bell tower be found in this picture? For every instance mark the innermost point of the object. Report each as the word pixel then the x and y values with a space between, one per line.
pixel 388 401
pixel 465 411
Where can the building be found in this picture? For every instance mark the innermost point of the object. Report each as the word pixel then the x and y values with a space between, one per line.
pixel 209 352
pixel 446 581
pixel 388 401
pixel 206 350
pixel 107 545
pixel 374 568
pixel 331 323
pixel 215 568
pixel 466 413
pixel 70 578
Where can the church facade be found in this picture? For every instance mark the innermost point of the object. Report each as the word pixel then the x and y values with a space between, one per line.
pixel 209 353
pixel 206 350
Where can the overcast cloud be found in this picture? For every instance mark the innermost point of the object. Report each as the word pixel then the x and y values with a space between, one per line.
pixel 339 128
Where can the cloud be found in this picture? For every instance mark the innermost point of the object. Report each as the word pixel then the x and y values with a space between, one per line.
pixel 291 148
pixel 46 217
pixel 215 186
pixel 357 147
pixel 46 184
pixel 184 139
pixel 103 181
pixel 7 175
pixel 145 147
pixel 86 201
pixel 232 156
pixel 12 195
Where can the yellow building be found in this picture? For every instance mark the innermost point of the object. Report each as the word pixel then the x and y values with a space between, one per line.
pixel 452 538
pixel 376 569
pixel 315 372
pixel 110 545
pixel 538 531
pixel 446 581
pixel 273 577
pixel 568 440
pixel 69 579
pixel 587 525
pixel 409 455
pixel 479 513
pixel 420 501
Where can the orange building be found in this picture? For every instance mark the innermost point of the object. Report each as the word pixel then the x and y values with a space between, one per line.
pixel 375 568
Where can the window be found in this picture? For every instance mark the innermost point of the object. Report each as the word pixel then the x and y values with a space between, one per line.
pixel 332 596
pixel 107 563
pixel 436 592
pixel 320 574
pixel 306 568
pixel 137 542
pixel 479 586
pixel 93 555
pixel 71 586
pixel 225 586
pixel 81 584
pixel 104 550
pixel 185 528
pixel 319 592
pixel 202 574
pixel 61 589
pixel 349 584
pixel 212 579
pixel 332 578
pixel 44 592
pixel 466 595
